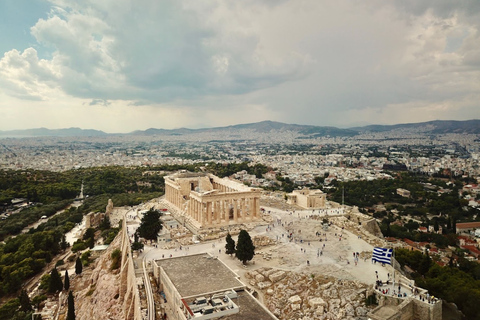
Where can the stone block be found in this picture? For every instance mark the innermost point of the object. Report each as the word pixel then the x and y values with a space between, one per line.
pixel 349 310
pixel 315 302
pixel 259 278
pixel 361 311
pixel 320 310
pixel 267 273
pixel 277 276
pixel 325 286
pixel 334 304
pixel 264 284
pixel 295 299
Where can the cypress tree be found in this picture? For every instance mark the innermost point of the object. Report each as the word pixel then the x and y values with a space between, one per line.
pixel 71 307
pixel 230 246
pixel 78 266
pixel 66 283
pixel 425 263
pixel 56 283
pixel 245 248
pixel 25 304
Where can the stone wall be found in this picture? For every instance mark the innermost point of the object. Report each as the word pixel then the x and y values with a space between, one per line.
pixel 131 298
pixel 392 308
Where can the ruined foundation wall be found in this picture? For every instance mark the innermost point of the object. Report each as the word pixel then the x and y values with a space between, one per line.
pixel 129 290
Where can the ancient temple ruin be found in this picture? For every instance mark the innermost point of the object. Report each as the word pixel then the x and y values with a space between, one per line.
pixel 209 201
pixel 307 199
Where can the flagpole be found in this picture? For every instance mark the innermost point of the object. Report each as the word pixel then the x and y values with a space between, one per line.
pixel 393 265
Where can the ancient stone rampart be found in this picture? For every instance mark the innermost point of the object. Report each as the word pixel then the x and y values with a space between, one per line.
pixel 128 286
pixel 392 308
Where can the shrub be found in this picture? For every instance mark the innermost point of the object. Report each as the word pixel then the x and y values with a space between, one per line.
pixel 79 246
pixel 116 259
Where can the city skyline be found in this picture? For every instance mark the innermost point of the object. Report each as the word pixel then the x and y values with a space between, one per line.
pixel 117 67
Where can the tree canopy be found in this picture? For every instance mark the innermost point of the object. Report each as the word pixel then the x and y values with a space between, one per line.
pixel 454 284
pixel 78 266
pixel 245 248
pixel 25 304
pixel 230 245
pixel 71 307
pixel 150 225
pixel 56 283
pixel 66 282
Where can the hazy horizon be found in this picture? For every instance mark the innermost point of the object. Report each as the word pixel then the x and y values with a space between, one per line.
pixel 211 127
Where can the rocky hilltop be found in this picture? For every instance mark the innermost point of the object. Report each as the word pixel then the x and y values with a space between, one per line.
pixel 96 290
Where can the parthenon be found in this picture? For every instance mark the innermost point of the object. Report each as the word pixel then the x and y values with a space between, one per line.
pixel 208 201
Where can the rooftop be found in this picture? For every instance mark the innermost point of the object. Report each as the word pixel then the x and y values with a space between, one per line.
pixel 249 309
pixel 199 274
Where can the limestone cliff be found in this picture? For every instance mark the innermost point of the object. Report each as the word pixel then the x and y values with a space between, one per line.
pixel 96 290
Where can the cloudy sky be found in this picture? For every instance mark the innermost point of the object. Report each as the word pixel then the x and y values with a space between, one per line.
pixel 123 65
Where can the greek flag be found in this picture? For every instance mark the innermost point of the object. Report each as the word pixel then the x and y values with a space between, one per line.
pixel 382 255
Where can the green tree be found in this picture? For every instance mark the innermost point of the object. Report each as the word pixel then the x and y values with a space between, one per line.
pixel 78 266
pixel 150 225
pixel 105 223
pixel 64 243
pixel 37 300
pixel 7 311
pixel 25 304
pixel 116 259
pixel 56 283
pixel 425 263
pixel 71 307
pixel 66 282
pixel 230 245
pixel 89 233
pixel 45 282
pixel 245 248
pixel 137 246
pixel 436 227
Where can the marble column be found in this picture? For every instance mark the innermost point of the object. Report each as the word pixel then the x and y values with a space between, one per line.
pixel 244 212
pixel 217 211
pixel 209 213
pixel 235 210
pixel 254 207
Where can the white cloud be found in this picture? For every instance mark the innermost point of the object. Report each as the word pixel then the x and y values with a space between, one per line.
pixel 158 51
pixel 305 61
pixel 25 76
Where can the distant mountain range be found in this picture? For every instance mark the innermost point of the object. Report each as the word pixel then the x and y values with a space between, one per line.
pixel 434 127
pixel 431 127
pixel 44 132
